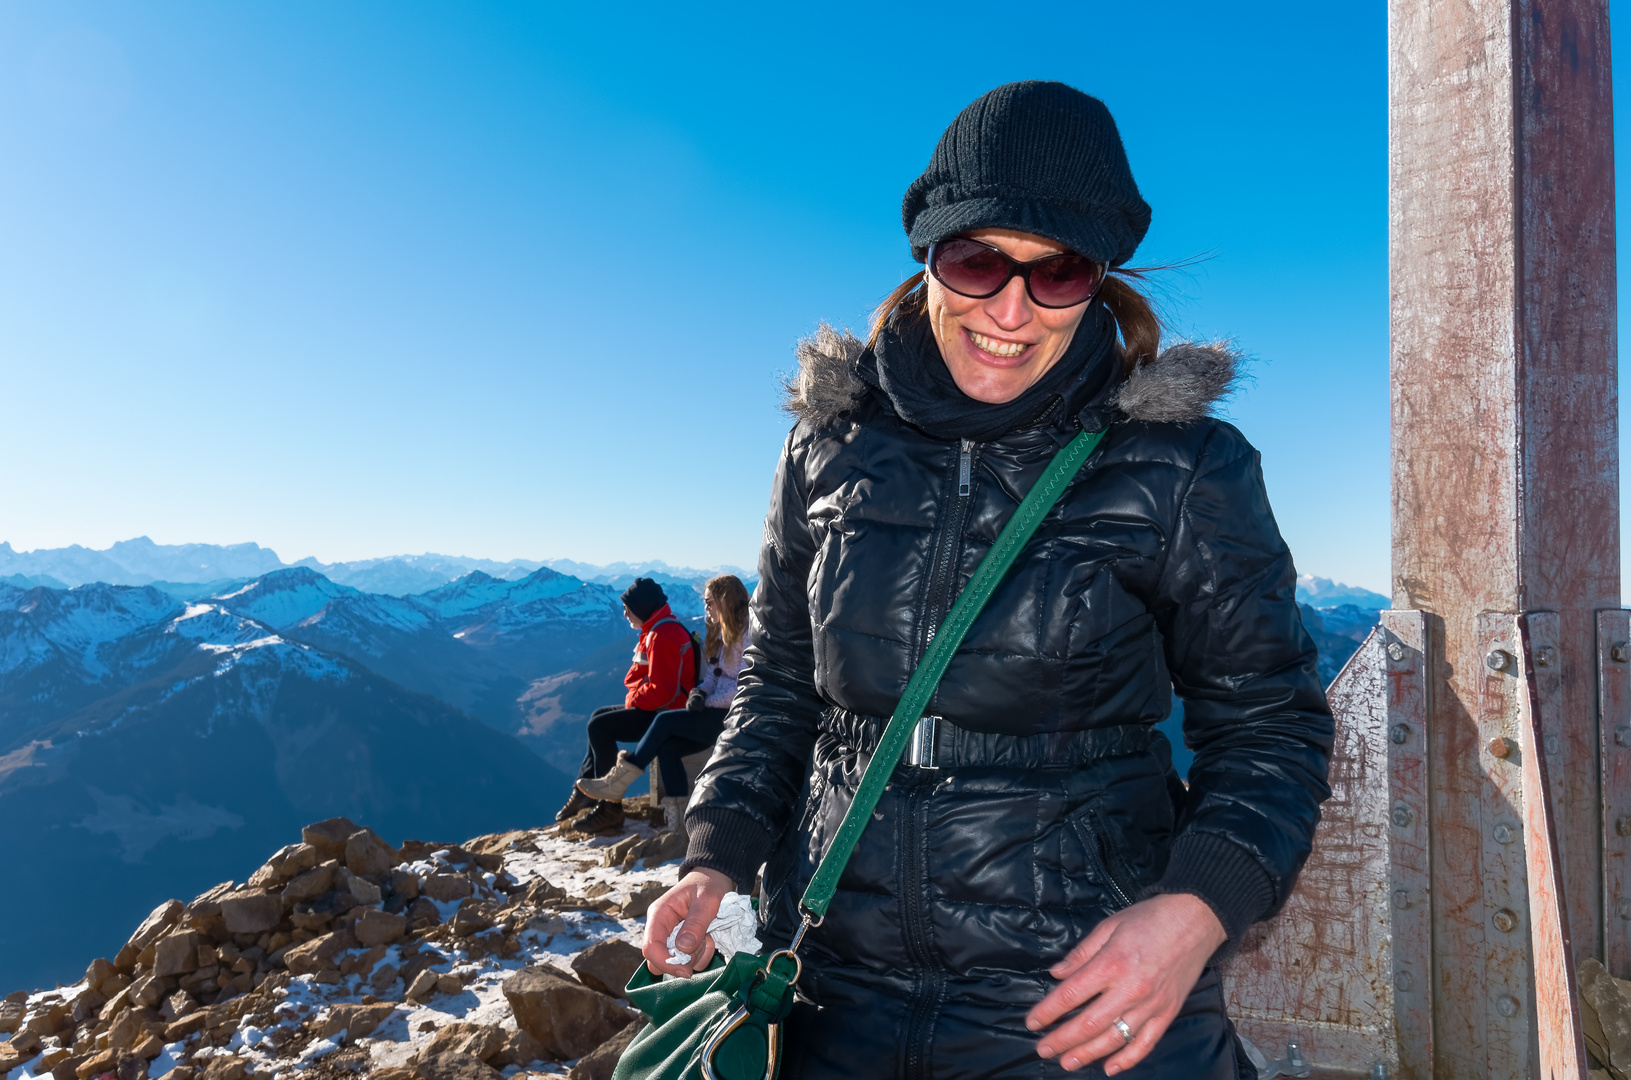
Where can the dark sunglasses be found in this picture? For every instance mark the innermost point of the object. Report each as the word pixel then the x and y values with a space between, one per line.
pixel 977 271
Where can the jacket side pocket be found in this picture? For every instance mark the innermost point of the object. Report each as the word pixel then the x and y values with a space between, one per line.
pixel 1105 858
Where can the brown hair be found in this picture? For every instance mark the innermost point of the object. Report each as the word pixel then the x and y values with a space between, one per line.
pixel 1136 319
pixel 730 599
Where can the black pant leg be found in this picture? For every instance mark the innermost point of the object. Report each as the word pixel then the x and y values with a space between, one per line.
pixel 674 734
pixel 608 727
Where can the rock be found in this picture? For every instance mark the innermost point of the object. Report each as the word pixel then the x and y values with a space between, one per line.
pixel 187 1025
pixel 367 855
pixel 329 837
pixel 422 987
pixel 147 991
pixel 293 859
pixel 614 854
pixel 224 1067
pixel 453 1066
pixel 153 927
pixel 422 913
pixel 404 883
pixel 479 1040
pixel 319 954
pixel 184 1072
pixel 252 911
pixel 98 1063
pixel 449 984
pixel 208 903
pixel 1606 1018
pixel 664 847
pixel 98 973
pixel 446 887
pixel 176 953
pixel 537 892
pixel 519 1049
pixel 25 1043
pixel 68 1067
pixel 357 1021
pixel 380 928
pixel 607 966
pixel 363 890
pixel 177 1005
pixel 599 1062
pixel 383 978
pixel 10 1057
pixel 641 900
pixel 568 1018
pixel 473 917
pixel 147 1048
pixel 310 884
pixel 11 1016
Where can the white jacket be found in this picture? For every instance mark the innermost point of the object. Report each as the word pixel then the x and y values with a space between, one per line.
pixel 719 678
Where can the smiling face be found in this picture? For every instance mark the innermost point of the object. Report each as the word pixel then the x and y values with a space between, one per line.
pixel 998 347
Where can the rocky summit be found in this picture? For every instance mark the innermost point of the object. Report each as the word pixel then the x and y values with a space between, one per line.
pixel 343 954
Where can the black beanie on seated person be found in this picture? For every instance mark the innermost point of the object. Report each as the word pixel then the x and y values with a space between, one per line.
pixel 644 597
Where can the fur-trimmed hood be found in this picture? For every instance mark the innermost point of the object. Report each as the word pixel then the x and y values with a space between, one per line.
pixel 1184 383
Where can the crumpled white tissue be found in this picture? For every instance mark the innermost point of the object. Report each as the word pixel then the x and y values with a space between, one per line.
pixel 732 930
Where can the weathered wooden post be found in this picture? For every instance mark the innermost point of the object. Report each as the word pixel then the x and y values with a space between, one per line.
pixel 1484 770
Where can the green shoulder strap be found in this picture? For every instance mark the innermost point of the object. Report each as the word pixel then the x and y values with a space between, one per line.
pixel 920 688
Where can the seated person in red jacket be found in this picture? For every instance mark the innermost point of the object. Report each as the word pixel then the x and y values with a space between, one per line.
pixel 662 675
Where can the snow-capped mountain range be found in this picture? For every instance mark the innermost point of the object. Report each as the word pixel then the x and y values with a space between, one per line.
pixel 142 562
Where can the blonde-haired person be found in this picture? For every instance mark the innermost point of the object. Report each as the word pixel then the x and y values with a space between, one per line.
pixel 678 733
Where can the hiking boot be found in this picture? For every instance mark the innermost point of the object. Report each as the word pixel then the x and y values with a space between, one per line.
pixel 577 804
pixel 610 788
pixel 606 817
pixel 674 811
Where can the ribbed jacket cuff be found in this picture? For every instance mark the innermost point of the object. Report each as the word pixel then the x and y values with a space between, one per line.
pixel 733 844
pixel 1224 875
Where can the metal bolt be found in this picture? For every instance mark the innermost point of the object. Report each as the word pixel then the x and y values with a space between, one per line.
pixel 1401 898
pixel 1403 981
pixel 1622 736
pixel 1498 659
pixel 1506 920
pixel 1395 651
pixel 1623 909
pixel 1506 1005
pixel 1620 652
pixel 1554 744
pixel 1500 748
pixel 1622 826
pixel 1402 817
pixel 1400 734
pixel 1296 1065
pixel 1504 833
pixel 1379 1071
pixel 1544 656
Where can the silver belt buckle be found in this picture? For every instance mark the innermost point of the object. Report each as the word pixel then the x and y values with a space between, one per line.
pixel 920 751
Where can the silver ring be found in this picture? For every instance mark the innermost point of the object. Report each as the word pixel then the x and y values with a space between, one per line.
pixel 1121 1026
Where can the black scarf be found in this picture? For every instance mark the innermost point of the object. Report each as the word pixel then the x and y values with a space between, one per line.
pixel 907 367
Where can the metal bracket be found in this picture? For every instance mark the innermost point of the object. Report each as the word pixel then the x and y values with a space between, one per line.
pixel 921 750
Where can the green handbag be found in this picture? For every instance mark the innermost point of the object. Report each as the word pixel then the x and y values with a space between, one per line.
pixel 724 1023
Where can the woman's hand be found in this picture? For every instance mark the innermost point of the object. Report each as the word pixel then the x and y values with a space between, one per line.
pixel 1138 965
pixel 691 905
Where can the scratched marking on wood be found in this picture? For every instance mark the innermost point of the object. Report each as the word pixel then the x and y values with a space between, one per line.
pixel 1560 1043
pixel 1614 712
pixel 1321 973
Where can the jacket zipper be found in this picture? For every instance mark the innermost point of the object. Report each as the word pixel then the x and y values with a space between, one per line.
pixel 931 983
pixel 1098 847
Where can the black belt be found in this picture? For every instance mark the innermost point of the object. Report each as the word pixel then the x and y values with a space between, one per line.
pixel 940 744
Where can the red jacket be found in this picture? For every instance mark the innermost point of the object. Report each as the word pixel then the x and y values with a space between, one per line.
pixel 664 670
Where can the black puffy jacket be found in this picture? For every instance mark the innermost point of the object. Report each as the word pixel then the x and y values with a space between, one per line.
pixel 1052 799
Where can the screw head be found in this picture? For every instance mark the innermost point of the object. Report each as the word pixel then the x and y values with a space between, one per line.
pixel 1620 652
pixel 1545 656
pixel 1498 659
pixel 1506 1005
pixel 1622 736
pixel 1400 734
pixel 1401 898
pixel 1500 748
pixel 1403 980
pixel 1395 651
pixel 1622 826
pixel 1504 833
pixel 1402 817
pixel 1623 909
pixel 1505 920
pixel 1554 744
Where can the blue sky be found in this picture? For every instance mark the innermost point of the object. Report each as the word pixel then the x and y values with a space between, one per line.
pixel 518 280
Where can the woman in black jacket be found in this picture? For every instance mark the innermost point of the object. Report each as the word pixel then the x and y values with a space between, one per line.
pixel 1039 890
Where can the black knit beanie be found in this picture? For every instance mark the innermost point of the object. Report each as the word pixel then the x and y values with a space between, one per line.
pixel 1040 157
pixel 644 597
